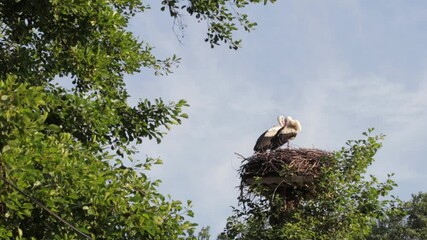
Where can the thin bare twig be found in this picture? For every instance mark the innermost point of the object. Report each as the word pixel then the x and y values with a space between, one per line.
pixel 44 207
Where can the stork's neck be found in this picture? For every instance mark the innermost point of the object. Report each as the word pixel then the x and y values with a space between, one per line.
pixel 281 120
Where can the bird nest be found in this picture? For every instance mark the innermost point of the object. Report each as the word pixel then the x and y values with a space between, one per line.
pixel 290 173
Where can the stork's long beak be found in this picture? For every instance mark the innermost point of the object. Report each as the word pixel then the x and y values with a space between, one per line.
pixel 285 123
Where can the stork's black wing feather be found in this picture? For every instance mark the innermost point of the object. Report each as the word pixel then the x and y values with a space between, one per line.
pixel 281 138
pixel 263 143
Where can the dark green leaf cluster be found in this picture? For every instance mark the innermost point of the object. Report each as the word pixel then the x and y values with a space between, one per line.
pixel 222 16
pixel 54 141
pixel 344 205
pixel 405 221
pixel 73 179
pixel 417 218
pixel 88 42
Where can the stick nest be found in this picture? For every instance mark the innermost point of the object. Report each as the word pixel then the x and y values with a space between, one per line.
pixel 291 173
pixel 296 161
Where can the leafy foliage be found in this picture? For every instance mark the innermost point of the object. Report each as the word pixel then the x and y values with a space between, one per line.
pixel 66 147
pixel 204 234
pixel 345 205
pixel 407 220
pixel 222 17
pixel 74 180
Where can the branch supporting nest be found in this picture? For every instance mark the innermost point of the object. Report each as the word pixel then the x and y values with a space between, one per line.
pixel 290 173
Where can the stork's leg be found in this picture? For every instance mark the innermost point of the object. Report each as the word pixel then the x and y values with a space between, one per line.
pixel 288 144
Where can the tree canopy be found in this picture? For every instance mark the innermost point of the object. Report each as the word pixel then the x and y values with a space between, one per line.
pixel 344 205
pixel 65 147
pixel 406 220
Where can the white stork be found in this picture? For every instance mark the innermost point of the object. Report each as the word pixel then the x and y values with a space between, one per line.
pixel 288 132
pixel 264 142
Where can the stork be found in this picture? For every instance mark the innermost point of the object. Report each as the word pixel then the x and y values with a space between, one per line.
pixel 264 141
pixel 288 132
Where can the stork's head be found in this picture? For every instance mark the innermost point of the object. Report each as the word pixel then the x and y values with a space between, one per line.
pixel 287 121
pixel 293 123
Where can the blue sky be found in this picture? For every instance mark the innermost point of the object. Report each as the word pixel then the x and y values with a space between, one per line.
pixel 339 67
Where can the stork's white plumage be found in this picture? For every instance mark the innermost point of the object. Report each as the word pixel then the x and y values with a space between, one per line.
pixel 289 131
pixel 264 141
